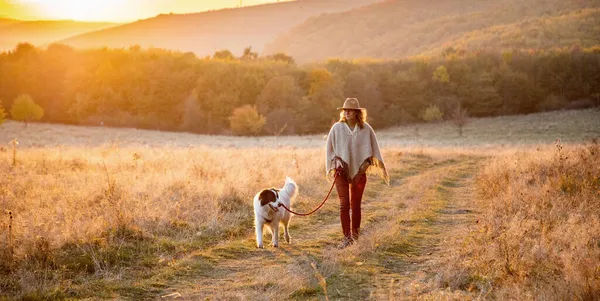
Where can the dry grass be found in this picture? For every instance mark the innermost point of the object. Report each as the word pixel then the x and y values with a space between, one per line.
pixel 109 213
pixel 98 197
pixel 538 236
pixel 480 133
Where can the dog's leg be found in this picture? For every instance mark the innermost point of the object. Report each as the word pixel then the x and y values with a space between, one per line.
pixel 286 233
pixel 275 230
pixel 259 233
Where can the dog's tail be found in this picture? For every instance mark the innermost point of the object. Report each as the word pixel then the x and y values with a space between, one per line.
pixel 290 187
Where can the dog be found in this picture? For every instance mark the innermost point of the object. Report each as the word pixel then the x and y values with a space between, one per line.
pixel 267 211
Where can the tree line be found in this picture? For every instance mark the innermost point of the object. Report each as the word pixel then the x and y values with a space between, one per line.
pixel 253 95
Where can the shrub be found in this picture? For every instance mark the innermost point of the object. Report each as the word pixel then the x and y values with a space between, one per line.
pixel 432 113
pixel 25 109
pixel 2 114
pixel 246 120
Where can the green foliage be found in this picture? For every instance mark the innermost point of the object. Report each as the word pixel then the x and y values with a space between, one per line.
pixel 319 79
pixel 281 57
pixel 159 89
pixel 432 113
pixel 2 113
pixel 280 92
pixel 24 109
pixel 223 55
pixel 246 121
pixel 441 74
pixel 248 54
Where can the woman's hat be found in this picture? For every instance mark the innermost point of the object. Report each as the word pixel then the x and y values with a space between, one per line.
pixel 351 104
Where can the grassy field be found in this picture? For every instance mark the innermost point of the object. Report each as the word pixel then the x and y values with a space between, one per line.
pixel 101 213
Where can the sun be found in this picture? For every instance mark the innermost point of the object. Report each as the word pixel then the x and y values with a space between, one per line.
pixel 82 10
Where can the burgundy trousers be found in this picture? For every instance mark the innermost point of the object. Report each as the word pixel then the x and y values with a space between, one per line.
pixel 350 198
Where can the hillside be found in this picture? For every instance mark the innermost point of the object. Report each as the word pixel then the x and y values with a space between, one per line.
pixel 40 33
pixel 207 32
pixel 395 29
pixel 6 21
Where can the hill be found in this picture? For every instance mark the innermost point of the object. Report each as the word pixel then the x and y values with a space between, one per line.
pixel 395 29
pixel 6 21
pixel 207 32
pixel 40 33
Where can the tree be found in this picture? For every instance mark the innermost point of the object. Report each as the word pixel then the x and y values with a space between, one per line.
pixel 2 113
pixel 25 109
pixel 282 57
pixel 24 50
pixel 246 120
pixel 460 117
pixel 249 55
pixel 223 55
pixel 319 79
pixel 365 87
pixel 279 92
pixel 280 121
pixel 191 119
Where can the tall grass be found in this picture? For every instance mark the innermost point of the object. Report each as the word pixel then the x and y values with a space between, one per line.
pixel 98 211
pixel 538 237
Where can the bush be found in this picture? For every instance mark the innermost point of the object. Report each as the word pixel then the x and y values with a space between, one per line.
pixel 432 113
pixel 2 114
pixel 246 120
pixel 25 109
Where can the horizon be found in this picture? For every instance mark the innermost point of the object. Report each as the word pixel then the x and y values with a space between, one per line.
pixel 112 11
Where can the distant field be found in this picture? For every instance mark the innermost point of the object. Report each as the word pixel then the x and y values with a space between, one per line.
pixel 102 213
pixel 542 128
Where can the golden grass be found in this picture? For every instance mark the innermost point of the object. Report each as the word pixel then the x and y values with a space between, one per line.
pixel 67 195
pixel 100 213
pixel 538 235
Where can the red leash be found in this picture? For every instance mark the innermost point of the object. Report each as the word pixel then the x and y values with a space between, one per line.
pixel 337 173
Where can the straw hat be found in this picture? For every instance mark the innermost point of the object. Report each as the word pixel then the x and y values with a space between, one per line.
pixel 351 104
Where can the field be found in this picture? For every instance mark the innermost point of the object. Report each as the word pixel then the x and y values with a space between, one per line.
pixel 507 211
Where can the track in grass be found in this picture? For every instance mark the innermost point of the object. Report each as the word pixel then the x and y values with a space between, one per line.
pixel 404 226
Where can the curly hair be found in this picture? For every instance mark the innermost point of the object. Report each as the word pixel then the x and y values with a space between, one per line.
pixel 362 116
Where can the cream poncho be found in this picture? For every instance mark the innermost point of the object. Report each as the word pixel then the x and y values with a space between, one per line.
pixel 354 147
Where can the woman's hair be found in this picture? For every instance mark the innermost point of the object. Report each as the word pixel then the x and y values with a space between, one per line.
pixel 362 117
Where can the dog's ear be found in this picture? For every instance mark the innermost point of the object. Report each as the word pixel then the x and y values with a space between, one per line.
pixel 266 196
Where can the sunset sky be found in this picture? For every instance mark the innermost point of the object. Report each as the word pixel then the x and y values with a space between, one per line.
pixel 110 10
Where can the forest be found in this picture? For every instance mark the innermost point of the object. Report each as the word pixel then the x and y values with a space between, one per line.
pixel 272 95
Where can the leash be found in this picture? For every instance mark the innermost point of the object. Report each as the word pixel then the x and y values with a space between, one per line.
pixel 337 173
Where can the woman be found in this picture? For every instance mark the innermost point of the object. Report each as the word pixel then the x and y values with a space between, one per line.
pixel 352 149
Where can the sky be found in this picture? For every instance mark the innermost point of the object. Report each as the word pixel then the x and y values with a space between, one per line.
pixel 110 10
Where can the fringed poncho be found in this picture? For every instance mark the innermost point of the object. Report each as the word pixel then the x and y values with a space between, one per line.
pixel 354 147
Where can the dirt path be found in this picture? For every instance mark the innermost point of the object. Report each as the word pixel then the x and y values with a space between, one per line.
pixel 405 227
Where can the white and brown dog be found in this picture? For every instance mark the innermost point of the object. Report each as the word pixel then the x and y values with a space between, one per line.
pixel 267 211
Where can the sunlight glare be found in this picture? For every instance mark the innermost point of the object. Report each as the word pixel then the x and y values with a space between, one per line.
pixel 88 10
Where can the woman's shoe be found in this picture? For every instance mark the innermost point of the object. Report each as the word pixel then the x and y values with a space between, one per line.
pixel 345 243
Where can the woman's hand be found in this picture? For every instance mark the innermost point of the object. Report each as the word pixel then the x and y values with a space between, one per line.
pixel 361 171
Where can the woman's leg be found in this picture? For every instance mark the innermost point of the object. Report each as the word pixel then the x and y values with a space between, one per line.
pixel 355 199
pixel 342 187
